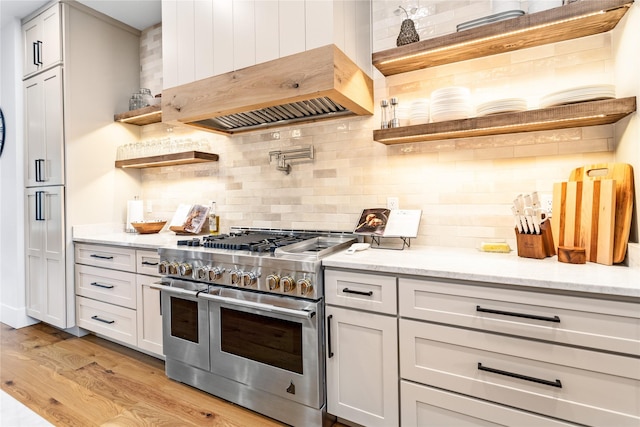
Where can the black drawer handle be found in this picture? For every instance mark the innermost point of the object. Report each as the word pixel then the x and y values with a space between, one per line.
pixel 555 383
pixel 351 291
pixel 149 263
pixel 100 256
pixel 100 285
pixel 554 319
pixel 103 320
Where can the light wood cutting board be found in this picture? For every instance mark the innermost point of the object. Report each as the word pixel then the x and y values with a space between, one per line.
pixel 622 174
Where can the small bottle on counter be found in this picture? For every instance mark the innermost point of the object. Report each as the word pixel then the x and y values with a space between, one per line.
pixel 214 220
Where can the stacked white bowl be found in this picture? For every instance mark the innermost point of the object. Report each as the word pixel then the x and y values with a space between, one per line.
pixel 451 103
pixel 419 112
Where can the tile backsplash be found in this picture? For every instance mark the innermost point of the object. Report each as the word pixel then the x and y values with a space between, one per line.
pixel 464 187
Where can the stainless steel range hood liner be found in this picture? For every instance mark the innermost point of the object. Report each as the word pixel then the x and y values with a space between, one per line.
pixel 318 84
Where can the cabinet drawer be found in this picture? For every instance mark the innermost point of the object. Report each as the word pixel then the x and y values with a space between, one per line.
pixel 363 291
pixel 587 322
pixel 115 287
pixel 106 319
pixel 147 262
pixel 572 384
pixel 423 406
pixel 106 256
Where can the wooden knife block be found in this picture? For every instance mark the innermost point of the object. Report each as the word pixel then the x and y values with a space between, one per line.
pixel 537 246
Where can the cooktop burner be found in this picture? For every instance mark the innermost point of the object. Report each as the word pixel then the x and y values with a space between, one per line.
pixel 252 241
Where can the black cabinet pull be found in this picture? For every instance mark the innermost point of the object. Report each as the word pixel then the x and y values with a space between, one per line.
pixel 103 320
pixel 39 52
pixel 100 285
pixel 329 350
pixel 149 263
pixel 100 256
pixel 351 291
pixel 39 206
pixel 555 383
pixel 554 319
pixel 160 299
pixel 35 53
pixel 38 171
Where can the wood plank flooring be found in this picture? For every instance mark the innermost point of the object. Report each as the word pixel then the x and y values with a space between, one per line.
pixel 90 381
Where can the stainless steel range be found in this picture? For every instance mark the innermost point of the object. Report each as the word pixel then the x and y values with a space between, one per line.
pixel 243 318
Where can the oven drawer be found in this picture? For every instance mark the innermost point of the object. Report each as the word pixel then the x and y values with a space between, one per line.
pixel 568 383
pixel 106 256
pixel 587 322
pixel 361 291
pixel 147 262
pixel 424 406
pixel 106 319
pixel 116 287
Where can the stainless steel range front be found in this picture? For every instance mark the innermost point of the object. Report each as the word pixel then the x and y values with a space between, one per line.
pixel 243 318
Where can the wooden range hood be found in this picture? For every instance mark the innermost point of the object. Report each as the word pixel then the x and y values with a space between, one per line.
pixel 317 84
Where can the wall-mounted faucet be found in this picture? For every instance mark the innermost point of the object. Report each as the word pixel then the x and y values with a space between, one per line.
pixel 283 155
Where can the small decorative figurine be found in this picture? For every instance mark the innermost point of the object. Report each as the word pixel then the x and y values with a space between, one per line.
pixel 408 33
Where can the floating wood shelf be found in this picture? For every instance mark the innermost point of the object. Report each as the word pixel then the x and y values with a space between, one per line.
pixel 590 113
pixel 183 158
pixel 578 19
pixel 141 116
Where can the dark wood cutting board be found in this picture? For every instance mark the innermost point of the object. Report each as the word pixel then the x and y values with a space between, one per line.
pixel 622 174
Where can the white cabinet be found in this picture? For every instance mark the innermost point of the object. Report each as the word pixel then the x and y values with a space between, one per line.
pixel 44 135
pixel 362 356
pixel 42 37
pixel 45 258
pixel 149 308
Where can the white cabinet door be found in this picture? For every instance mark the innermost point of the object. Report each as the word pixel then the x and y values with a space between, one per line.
pixel 244 33
pixel 292 27
pixel 267 23
pixel 44 137
pixel 186 53
pixel 203 41
pixel 42 41
pixel 362 367
pixel 45 256
pixel 149 313
pixel 170 40
pixel 222 36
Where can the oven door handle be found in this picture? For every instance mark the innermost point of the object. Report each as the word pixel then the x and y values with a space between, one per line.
pixel 173 290
pixel 260 306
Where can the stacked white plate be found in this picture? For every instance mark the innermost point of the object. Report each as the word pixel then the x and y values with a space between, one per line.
pixel 419 112
pixel 489 19
pixel 402 113
pixel 451 103
pixel 507 105
pixel 578 94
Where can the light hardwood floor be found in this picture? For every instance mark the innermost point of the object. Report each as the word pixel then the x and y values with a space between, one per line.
pixel 90 381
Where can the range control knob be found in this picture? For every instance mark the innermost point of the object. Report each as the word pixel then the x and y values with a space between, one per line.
pixel 173 268
pixel 273 282
pixel 185 269
pixel 202 273
pixel 305 286
pixel 249 279
pixel 288 284
pixel 215 273
pixel 163 267
pixel 236 277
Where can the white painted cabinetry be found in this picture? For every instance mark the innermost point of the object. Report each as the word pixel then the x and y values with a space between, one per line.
pixel 362 356
pixel 149 306
pixel 42 38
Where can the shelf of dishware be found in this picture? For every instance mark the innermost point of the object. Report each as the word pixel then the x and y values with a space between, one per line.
pixel 164 152
pixel 571 21
pixel 580 114
pixel 183 158
pixel 141 116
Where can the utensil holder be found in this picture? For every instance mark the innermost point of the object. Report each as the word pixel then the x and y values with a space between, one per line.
pixel 537 246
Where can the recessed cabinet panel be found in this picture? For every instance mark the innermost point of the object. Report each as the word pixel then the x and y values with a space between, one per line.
pixel 186 51
pixel 222 37
pixel 291 27
pixel 244 34
pixel 267 45
pixel 203 42
pixel 42 37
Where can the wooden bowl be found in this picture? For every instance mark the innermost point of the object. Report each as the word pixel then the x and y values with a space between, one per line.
pixel 148 227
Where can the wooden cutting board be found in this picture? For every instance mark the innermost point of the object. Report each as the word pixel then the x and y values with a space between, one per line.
pixel 622 174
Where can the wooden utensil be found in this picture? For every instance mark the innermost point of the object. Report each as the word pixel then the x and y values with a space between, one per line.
pixel 622 174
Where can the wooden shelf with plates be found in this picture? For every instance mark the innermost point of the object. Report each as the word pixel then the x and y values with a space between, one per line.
pixel 588 113
pixel 141 116
pixel 183 158
pixel 571 21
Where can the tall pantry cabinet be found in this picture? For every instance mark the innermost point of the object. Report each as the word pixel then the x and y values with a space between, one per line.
pixel 80 67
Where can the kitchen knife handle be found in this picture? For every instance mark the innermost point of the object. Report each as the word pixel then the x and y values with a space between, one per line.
pixel 351 291
pixel 554 319
pixel 100 285
pixel 100 256
pixel 103 320
pixel 329 350
pixel 555 383
pixel 39 203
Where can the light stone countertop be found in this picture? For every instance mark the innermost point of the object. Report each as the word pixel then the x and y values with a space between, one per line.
pixel 437 262
pixel 501 268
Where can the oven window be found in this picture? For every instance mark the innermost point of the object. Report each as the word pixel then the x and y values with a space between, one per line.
pixel 264 339
pixel 184 319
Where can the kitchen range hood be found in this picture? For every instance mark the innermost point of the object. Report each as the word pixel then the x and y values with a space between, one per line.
pixel 317 84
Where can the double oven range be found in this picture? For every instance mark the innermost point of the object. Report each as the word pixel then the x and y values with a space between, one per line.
pixel 243 318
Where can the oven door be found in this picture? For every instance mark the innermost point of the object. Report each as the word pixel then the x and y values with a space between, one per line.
pixel 185 322
pixel 270 343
